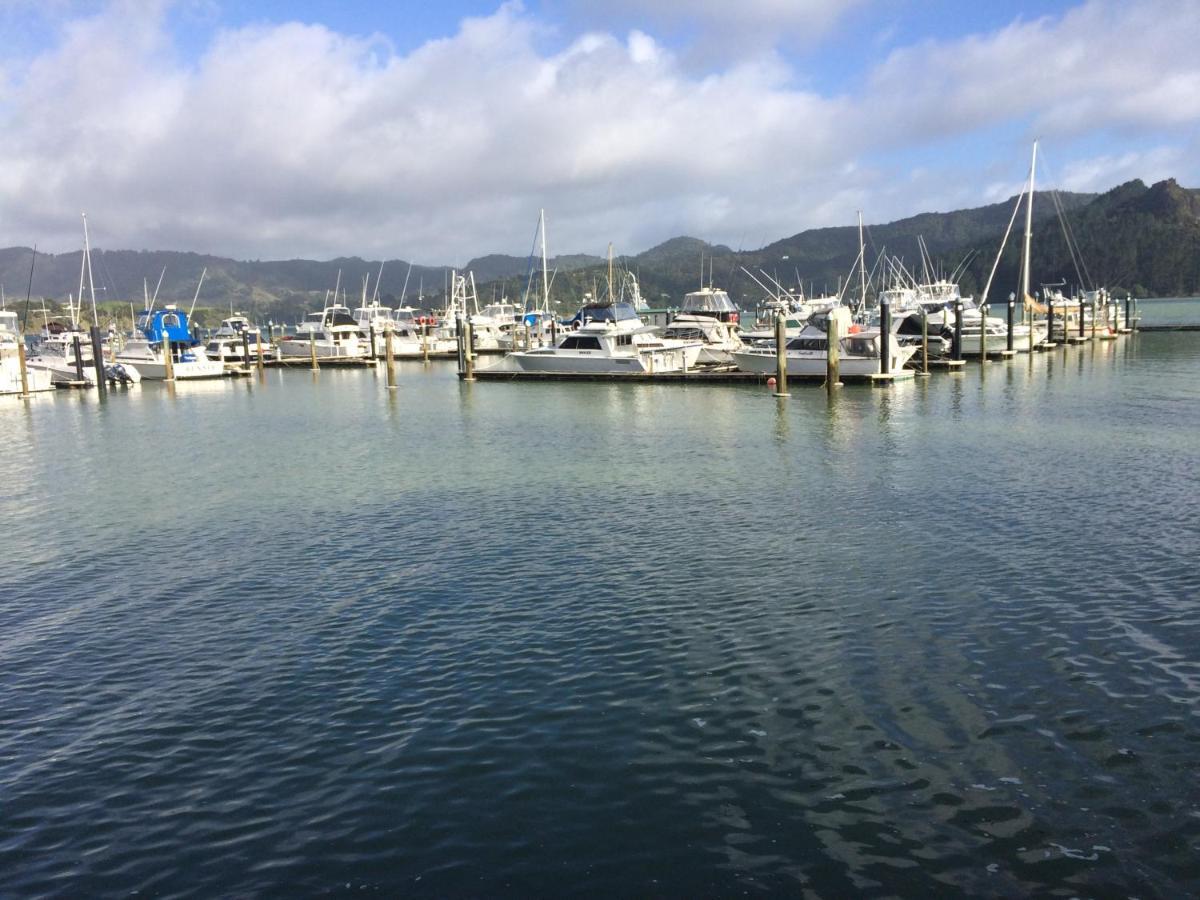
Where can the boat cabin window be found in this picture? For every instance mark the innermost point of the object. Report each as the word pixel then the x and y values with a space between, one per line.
pixel 580 343
pixel 623 340
pixel 708 301
pixel 806 343
pixel 170 320
pixel 862 346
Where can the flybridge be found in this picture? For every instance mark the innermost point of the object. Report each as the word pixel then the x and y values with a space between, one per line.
pixel 171 321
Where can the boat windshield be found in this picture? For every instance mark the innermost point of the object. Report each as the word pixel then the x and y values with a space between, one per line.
pixel 616 312
pixel 708 301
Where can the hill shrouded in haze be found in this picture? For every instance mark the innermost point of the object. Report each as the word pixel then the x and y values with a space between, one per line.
pixel 1132 238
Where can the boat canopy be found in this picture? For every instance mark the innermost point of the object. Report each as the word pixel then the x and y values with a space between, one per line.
pixel 171 321
pixel 707 301
pixel 606 312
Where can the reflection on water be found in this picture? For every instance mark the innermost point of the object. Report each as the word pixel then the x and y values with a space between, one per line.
pixel 456 639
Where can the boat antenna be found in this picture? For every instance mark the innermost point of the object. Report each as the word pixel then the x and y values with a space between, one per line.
pixel 378 278
pixel 404 290
pixel 545 279
pixel 862 259
pixel 29 290
pixel 203 272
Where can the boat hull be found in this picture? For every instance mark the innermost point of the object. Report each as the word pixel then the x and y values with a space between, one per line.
pixel 584 362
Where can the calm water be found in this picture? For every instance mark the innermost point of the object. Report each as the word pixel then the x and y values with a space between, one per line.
pixel 302 637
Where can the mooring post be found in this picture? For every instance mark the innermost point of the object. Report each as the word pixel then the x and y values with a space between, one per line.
pixel 425 341
pixel 98 359
pixel 885 337
pixel 554 331
pixel 781 355
pixel 1012 312
pixel 21 363
pixel 528 336
pixel 1094 312
pixel 957 348
pixel 371 337
pixel 390 356
pixel 168 360
pixel 1137 315
pixel 1050 321
pixel 78 356
pixel 245 351
pixel 983 334
pixel 312 350
pixel 458 345
pixel 1081 323
pixel 262 363
pixel 924 341
pixel 468 349
pixel 833 348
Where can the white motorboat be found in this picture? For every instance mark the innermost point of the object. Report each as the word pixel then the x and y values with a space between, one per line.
pixel 859 353
pixel 610 339
pixel 334 331
pixel 162 332
pixel 66 353
pixel 708 316
pixel 10 359
pixel 226 344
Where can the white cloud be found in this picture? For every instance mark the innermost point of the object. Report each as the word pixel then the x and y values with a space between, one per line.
pixel 296 140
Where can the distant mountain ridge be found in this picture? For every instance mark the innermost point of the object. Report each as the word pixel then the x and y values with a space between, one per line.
pixel 1133 237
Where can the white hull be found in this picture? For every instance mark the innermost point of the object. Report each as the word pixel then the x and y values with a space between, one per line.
pixel 811 364
pixel 62 372
pixel 153 370
pixel 592 362
pixel 10 377
pixel 325 349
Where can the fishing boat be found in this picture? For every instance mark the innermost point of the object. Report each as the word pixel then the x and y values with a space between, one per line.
pixel 708 316
pixel 227 345
pixel 610 340
pixel 163 332
pixel 334 332
pixel 65 351
pixel 859 352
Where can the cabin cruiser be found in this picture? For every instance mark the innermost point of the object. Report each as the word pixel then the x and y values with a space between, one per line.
pixel 333 331
pixel 226 345
pixel 162 332
pixel 10 359
pixel 610 339
pixel 708 316
pixel 66 353
pixel 494 323
pixel 859 352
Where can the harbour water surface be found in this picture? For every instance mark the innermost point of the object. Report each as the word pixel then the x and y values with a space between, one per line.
pixel 305 636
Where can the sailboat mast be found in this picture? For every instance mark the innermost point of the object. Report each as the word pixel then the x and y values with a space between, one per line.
pixel 545 277
pixel 87 253
pixel 1028 227
pixel 610 273
pixel 862 260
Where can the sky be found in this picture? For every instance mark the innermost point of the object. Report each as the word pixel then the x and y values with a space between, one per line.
pixel 436 132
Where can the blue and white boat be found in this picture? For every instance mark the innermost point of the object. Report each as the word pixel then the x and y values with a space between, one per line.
pixel 166 331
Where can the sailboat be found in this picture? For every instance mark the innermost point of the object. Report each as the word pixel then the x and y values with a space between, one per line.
pixel 10 359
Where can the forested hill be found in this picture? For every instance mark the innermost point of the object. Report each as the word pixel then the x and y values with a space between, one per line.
pixel 1133 238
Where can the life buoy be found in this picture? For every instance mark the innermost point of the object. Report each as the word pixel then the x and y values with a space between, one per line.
pixel 855 328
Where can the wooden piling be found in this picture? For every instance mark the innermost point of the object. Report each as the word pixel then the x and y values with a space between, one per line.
pixel 371 335
pixel 469 350
pixel 312 350
pixel 924 344
pixel 390 357
pixel 983 334
pixel 1081 323
pixel 1094 311
pixel 833 348
pixel 1050 323
pixel 956 348
pixel 885 338
pixel 98 359
pixel 781 355
pixel 78 356
pixel 425 340
pixel 1012 311
pixel 21 363
pixel 246 350
pixel 168 361
pixel 262 363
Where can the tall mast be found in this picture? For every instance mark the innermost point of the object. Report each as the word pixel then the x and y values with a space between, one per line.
pixel 545 279
pixel 87 252
pixel 610 277
pixel 1028 227
pixel 862 260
